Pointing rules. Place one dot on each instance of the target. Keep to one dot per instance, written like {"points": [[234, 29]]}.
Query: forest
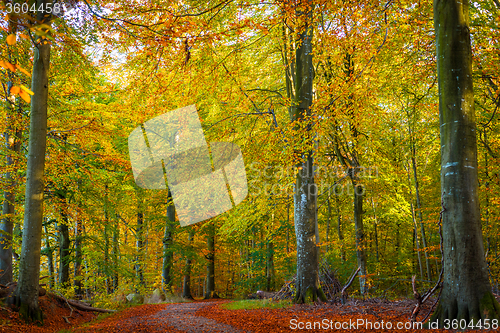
{"points": [[365, 149]]}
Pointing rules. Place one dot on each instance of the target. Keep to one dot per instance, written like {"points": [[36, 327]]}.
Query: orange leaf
{"points": [[23, 70], [15, 90], [10, 66], [24, 95], [11, 39]]}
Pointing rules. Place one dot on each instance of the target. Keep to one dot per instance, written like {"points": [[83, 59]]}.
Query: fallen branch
{"points": [[80, 305], [344, 290]]}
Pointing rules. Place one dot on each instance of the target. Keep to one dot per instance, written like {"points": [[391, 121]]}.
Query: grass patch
{"points": [[249, 304]]}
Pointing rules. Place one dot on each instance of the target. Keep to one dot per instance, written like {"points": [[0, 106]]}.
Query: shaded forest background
{"points": [[114, 66]]}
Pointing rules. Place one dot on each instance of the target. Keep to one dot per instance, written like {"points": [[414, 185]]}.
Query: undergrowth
{"points": [[250, 304]]}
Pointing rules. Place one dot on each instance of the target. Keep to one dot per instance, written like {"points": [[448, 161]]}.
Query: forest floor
{"points": [[210, 316]]}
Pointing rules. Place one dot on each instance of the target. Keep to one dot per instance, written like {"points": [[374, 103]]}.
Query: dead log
{"points": [[80, 305]]}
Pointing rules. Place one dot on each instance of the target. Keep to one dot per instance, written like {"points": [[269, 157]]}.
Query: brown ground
{"points": [[209, 316]]}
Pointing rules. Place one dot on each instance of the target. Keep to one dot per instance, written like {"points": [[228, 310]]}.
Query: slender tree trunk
{"points": [[115, 253], [50, 258], [78, 257], [466, 292], [168, 254], [186, 289], [26, 297], [139, 232], [419, 207], [270, 276], [13, 136], [375, 224], [360, 234], [210, 291], [328, 218], [339, 231], [64, 257]]}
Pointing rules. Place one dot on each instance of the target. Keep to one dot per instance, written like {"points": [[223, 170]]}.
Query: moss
{"points": [[31, 314], [311, 295], [489, 307]]}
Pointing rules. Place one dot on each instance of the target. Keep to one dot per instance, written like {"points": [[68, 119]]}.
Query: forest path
{"points": [[176, 318]]}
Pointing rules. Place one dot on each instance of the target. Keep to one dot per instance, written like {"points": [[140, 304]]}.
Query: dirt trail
{"points": [[175, 318], [183, 317]]}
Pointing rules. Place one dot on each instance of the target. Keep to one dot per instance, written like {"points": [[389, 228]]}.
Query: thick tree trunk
{"points": [[308, 288], [168, 254], [29, 268], [466, 292]]}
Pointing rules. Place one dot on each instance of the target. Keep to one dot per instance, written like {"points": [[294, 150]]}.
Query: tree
{"points": [[26, 297], [466, 292], [305, 197]]}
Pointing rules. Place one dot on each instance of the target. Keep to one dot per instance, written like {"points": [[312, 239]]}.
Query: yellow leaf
{"points": [[27, 90], [23, 70], [24, 95], [11, 39], [15, 90], [2, 64]]}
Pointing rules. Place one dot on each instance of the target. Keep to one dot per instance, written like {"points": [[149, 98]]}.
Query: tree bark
{"points": [[29, 268], [466, 292]]}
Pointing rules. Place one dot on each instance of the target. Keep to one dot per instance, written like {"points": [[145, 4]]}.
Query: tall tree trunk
{"points": [[466, 292], [139, 232], [210, 291], [64, 257], [114, 253], [270, 274], [50, 258], [106, 267], [26, 297], [339, 231], [360, 232], [375, 224], [78, 257], [64, 241], [12, 137], [308, 288], [186, 288], [419, 207], [168, 254]]}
